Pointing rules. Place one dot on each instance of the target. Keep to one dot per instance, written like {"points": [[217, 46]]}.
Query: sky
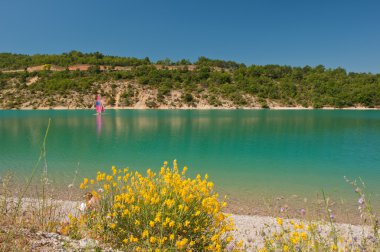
{"points": [[334, 33]]}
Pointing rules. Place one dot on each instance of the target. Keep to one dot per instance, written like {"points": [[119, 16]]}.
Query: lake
{"points": [[247, 153]]}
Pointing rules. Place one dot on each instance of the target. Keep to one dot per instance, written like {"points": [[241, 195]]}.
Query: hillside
{"points": [[72, 80]]}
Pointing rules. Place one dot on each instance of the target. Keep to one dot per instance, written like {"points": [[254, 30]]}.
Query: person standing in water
{"points": [[99, 105]]}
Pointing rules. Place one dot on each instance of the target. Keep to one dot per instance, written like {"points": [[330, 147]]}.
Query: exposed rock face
{"points": [[115, 94]]}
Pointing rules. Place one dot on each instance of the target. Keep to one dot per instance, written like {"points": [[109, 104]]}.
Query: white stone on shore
{"points": [[250, 229]]}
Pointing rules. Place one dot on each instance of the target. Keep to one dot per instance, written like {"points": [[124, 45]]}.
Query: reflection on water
{"points": [[245, 152], [99, 124]]}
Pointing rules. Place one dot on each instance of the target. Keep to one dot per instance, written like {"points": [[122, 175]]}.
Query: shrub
{"points": [[151, 103], [112, 101], [295, 235], [157, 211], [188, 98]]}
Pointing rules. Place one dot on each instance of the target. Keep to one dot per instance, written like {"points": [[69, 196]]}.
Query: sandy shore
{"points": [[249, 228]]}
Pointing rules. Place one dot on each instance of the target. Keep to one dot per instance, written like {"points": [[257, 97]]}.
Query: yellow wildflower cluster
{"points": [[298, 236], [163, 210]]}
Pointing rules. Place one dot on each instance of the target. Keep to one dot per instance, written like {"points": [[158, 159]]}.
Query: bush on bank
{"points": [[165, 211]]}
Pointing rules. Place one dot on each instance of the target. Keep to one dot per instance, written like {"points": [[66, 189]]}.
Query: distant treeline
{"points": [[289, 86], [20, 61], [11, 61]]}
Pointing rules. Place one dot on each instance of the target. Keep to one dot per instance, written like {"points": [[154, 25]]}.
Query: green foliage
{"points": [[307, 86], [165, 62], [129, 96], [203, 61], [112, 101], [64, 81], [188, 98], [150, 103], [183, 62], [17, 61], [94, 69]]}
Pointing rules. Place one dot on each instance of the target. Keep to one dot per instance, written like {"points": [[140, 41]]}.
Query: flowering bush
{"points": [[295, 235], [158, 211]]}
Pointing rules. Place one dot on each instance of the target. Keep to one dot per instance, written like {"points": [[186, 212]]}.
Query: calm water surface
{"points": [[246, 153]]}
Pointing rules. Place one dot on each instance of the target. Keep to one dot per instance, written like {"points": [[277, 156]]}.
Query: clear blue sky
{"points": [[334, 33]]}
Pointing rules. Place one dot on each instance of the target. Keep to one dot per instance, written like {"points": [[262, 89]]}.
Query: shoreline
{"points": [[344, 209], [250, 229], [192, 108]]}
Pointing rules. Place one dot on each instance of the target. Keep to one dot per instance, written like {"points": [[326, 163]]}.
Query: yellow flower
{"points": [[133, 239], [239, 244], [158, 217], [152, 239], [210, 185], [304, 235], [301, 225], [145, 233], [285, 248], [169, 196], [294, 240], [184, 170], [279, 221], [182, 243]]}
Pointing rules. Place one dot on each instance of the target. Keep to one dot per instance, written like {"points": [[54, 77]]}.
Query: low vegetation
{"points": [[164, 211], [298, 235]]}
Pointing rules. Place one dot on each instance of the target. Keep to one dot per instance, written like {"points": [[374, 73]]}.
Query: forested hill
{"points": [[73, 79]]}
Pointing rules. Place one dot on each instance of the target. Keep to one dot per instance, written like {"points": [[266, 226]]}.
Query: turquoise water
{"points": [[245, 152]]}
